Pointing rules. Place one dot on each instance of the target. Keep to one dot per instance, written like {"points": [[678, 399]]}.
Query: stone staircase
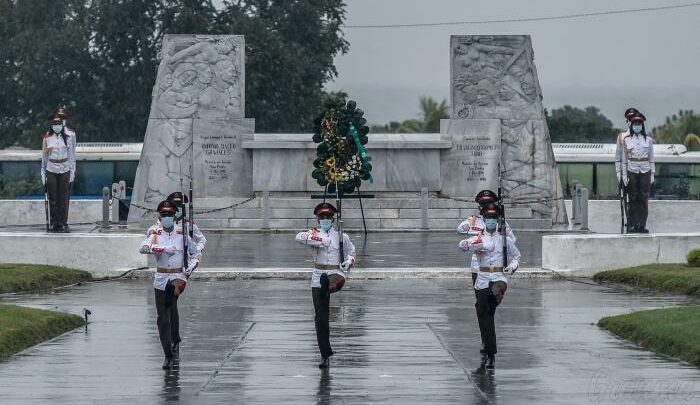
{"points": [[385, 212]]}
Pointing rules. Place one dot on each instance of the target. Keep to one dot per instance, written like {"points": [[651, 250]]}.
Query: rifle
{"points": [[338, 202], [185, 251], [623, 207], [191, 212], [502, 219], [47, 209]]}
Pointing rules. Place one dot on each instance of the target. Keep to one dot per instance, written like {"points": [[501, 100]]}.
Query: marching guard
{"points": [[58, 170], [167, 243], [492, 280], [330, 271], [474, 225]]}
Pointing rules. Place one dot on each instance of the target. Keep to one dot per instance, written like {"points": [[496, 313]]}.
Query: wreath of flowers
{"points": [[341, 131]]}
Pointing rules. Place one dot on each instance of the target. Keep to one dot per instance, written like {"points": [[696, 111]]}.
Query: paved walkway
{"points": [[398, 342], [376, 250]]}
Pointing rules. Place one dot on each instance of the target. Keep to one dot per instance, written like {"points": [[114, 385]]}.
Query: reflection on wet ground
{"points": [[382, 249], [402, 341]]}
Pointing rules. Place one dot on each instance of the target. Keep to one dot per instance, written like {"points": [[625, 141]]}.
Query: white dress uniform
{"points": [[197, 235], [638, 156], [491, 247], [325, 247], [156, 242], [475, 225], [61, 155]]}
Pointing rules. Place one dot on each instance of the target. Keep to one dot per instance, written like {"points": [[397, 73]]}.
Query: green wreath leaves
{"points": [[341, 132]]}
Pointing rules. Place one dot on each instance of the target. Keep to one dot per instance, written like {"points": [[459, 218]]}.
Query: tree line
{"points": [[567, 124], [100, 57]]}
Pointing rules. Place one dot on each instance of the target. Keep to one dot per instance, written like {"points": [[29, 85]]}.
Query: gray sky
{"points": [[648, 59]]}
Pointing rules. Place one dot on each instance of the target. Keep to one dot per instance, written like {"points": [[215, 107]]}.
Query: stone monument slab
{"points": [[472, 163], [494, 77], [223, 168], [198, 102]]}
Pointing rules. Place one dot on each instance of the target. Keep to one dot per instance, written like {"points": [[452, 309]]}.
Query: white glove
{"points": [[625, 179], [651, 180], [145, 249], [188, 271], [511, 268], [72, 176], [348, 263], [43, 177]]}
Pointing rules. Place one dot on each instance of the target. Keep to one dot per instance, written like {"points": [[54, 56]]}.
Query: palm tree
{"points": [[681, 128], [433, 113]]}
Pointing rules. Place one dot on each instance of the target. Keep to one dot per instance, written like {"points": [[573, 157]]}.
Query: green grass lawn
{"points": [[678, 278], [22, 327], [34, 277], [673, 331]]}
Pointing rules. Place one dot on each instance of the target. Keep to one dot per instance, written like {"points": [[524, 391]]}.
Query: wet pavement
{"points": [[398, 342], [376, 250]]}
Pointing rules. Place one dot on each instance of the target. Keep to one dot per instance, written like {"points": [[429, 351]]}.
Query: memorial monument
{"points": [[498, 122], [196, 124]]}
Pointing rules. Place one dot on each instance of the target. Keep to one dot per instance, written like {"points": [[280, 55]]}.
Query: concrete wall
{"points": [[585, 255], [665, 216], [400, 162], [30, 212], [100, 254]]}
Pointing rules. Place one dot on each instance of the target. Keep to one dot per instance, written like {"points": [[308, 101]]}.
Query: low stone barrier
{"points": [[31, 212], [665, 216], [100, 254], [585, 255]]}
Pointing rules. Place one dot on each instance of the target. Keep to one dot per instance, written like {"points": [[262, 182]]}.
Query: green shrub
{"points": [[694, 257]]}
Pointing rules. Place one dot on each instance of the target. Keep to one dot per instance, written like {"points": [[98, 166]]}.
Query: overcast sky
{"points": [[649, 59]]}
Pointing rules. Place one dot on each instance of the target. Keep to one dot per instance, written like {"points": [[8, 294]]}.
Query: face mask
{"points": [[57, 128], [168, 222], [326, 224], [637, 129], [491, 223]]}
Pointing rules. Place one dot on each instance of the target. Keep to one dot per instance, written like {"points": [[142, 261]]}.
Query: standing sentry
{"points": [[58, 169], [638, 170]]}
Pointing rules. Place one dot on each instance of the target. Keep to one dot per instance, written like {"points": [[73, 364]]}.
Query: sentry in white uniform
{"points": [[325, 247], [168, 250], [474, 226], [488, 251]]}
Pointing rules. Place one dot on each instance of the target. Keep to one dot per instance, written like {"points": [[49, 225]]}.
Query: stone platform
{"points": [[100, 254], [585, 255]]}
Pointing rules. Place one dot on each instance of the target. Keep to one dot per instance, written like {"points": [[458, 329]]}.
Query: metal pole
{"points": [[584, 209], [105, 207], [424, 208], [362, 210], [266, 209], [115, 203]]}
